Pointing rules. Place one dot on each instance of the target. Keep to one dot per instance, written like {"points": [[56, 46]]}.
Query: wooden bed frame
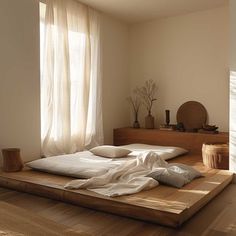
{"points": [[163, 205]]}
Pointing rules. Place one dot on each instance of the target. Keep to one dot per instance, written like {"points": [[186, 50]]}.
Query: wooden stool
{"points": [[216, 155], [11, 160]]}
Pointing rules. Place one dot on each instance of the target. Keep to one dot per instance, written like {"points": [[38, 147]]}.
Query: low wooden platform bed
{"points": [[163, 205]]}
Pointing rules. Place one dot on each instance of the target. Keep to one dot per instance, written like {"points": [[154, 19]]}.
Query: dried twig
{"points": [[147, 94], [135, 102]]}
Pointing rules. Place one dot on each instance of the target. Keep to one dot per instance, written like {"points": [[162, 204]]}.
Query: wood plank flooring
{"points": [[216, 218], [16, 221]]}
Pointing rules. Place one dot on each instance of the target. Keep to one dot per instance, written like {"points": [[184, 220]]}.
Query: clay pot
{"points": [[149, 122]]}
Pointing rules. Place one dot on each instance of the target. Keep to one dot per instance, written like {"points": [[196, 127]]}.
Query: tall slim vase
{"points": [[136, 124]]}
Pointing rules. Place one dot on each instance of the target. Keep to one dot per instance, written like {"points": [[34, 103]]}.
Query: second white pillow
{"points": [[110, 151]]}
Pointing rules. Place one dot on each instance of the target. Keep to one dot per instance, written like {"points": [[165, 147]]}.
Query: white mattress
{"points": [[86, 165]]}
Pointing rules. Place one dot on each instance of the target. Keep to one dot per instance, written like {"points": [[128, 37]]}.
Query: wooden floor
{"points": [[217, 218], [16, 221]]}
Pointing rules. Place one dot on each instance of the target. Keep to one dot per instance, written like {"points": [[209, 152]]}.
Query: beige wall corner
{"points": [[19, 77], [114, 38], [188, 56], [232, 35]]}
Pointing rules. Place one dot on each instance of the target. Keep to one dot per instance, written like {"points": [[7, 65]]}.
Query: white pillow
{"points": [[165, 152], [110, 151]]}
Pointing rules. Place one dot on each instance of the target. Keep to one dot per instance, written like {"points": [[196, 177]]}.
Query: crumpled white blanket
{"points": [[128, 178]]}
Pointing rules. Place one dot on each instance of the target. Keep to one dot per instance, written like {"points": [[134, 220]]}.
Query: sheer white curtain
{"points": [[71, 117]]}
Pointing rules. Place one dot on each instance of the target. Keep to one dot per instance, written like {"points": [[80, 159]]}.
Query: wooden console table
{"points": [[191, 141]]}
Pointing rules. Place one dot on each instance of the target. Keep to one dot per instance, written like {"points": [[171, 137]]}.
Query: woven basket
{"points": [[216, 155]]}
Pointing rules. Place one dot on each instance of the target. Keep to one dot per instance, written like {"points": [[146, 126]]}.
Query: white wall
{"points": [[114, 36], [188, 56], [19, 77]]}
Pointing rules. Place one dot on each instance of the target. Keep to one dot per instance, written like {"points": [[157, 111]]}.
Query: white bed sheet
{"points": [[86, 165]]}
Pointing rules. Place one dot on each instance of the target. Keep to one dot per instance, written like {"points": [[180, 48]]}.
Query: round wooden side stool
{"points": [[12, 160], [216, 155]]}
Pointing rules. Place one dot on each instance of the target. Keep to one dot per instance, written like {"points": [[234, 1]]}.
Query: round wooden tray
{"points": [[192, 114]]}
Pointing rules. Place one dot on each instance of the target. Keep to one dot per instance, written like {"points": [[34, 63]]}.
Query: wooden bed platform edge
{"points": [[116, 206], [188, 213], [101, 203]]}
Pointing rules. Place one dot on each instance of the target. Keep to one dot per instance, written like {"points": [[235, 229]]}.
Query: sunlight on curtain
{"points": [[71, 117], [232, 164]]}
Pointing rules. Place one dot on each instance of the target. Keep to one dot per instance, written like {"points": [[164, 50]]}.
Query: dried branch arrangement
{"points": [[148, 94], [145, 95], [135, 102]]}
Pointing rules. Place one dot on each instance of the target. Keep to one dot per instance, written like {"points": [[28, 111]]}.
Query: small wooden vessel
{"points": [[216, 155], [12, 160]]}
